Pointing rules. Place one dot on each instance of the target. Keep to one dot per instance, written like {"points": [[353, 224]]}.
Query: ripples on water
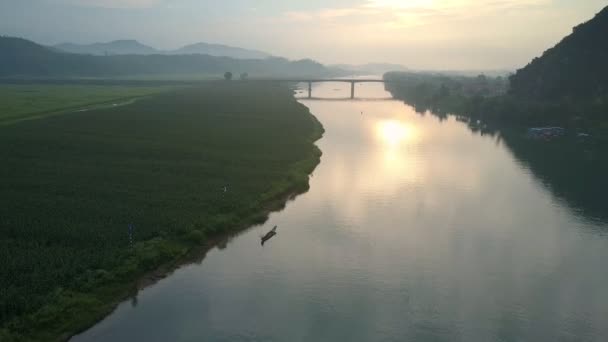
{"points": [[414, 229]]}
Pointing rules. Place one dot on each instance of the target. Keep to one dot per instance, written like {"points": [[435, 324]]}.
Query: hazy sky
{"points": [[423, 34]]}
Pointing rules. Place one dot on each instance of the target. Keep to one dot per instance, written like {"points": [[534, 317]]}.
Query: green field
{"points": [[72, 184], [18, 102]]}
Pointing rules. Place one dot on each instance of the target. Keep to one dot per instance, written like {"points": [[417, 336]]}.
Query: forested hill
{"points": [[575, 69], [117, 47], [133, 47], [220, 50], [23, 58]]}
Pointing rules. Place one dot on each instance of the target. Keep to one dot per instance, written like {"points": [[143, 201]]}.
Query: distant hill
{"points": [[370, 68], [575, 69], [23, 58], [117, 47], [133, 47], [220, 51]]}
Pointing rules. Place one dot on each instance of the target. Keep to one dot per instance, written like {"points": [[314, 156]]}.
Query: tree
{"points": [[228, 76], [244, 76], [444, 92]]}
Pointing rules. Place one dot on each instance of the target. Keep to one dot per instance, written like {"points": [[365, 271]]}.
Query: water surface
{"points": [[414, 229]]}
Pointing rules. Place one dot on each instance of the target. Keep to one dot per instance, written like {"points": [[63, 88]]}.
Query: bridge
{"points": [[352, 82]]}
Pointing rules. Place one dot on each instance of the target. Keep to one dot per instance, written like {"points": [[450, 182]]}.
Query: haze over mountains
{"points": [[130, 58], [371, 68], [117, 47], [133, 47], [220, 50], [23, 58], [573, 70]]}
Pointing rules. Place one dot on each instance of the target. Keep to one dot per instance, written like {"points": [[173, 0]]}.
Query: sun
{"points": [[401, 4]]}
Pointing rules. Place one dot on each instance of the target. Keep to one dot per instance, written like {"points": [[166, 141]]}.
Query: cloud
{"points": [[125, 4], [453, 4], [395, 12], [431, 33]]}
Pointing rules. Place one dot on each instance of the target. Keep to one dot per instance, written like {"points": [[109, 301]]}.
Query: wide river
{"points": [[414, 229]]}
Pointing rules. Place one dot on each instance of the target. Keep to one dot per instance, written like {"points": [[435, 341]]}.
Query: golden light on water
{"points": [[397, 157], [394, 133]]}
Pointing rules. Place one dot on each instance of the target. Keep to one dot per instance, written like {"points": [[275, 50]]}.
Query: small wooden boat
{"points": [[269, 235]]}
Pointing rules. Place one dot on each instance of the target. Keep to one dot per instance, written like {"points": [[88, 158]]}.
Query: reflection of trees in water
{"points": [[574, 171], [134, 300], [474, 124]]}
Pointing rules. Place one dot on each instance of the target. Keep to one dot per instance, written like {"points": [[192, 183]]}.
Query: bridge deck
{"points": [[318, 80], [310, 81]]}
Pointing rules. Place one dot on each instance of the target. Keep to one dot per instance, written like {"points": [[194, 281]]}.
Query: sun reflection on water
{"points": [[394, 133], [397, 142]]}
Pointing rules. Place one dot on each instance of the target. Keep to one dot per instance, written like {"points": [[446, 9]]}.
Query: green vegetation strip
{"points": [[24, 102], [73, 184]]}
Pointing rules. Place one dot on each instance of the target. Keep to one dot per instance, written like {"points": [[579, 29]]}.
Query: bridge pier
{"points": [[352, 89], [309, 90]]}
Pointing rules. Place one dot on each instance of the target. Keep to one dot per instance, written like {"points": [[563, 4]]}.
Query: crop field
{"points": [[25, 101], [166, 172]]}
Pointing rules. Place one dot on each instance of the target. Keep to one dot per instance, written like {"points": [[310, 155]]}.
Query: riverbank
{"points": [[174, 178], [487, 100]]}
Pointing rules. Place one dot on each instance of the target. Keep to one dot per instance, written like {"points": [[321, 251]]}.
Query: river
{"points": [[415, 228]]}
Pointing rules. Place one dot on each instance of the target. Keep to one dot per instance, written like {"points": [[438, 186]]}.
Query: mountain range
{"points": [[133, 47], [23, 58], [576, 69]]}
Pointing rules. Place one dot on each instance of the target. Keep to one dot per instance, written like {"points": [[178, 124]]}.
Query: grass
{"points": [[72, 184], [19, 102]]}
